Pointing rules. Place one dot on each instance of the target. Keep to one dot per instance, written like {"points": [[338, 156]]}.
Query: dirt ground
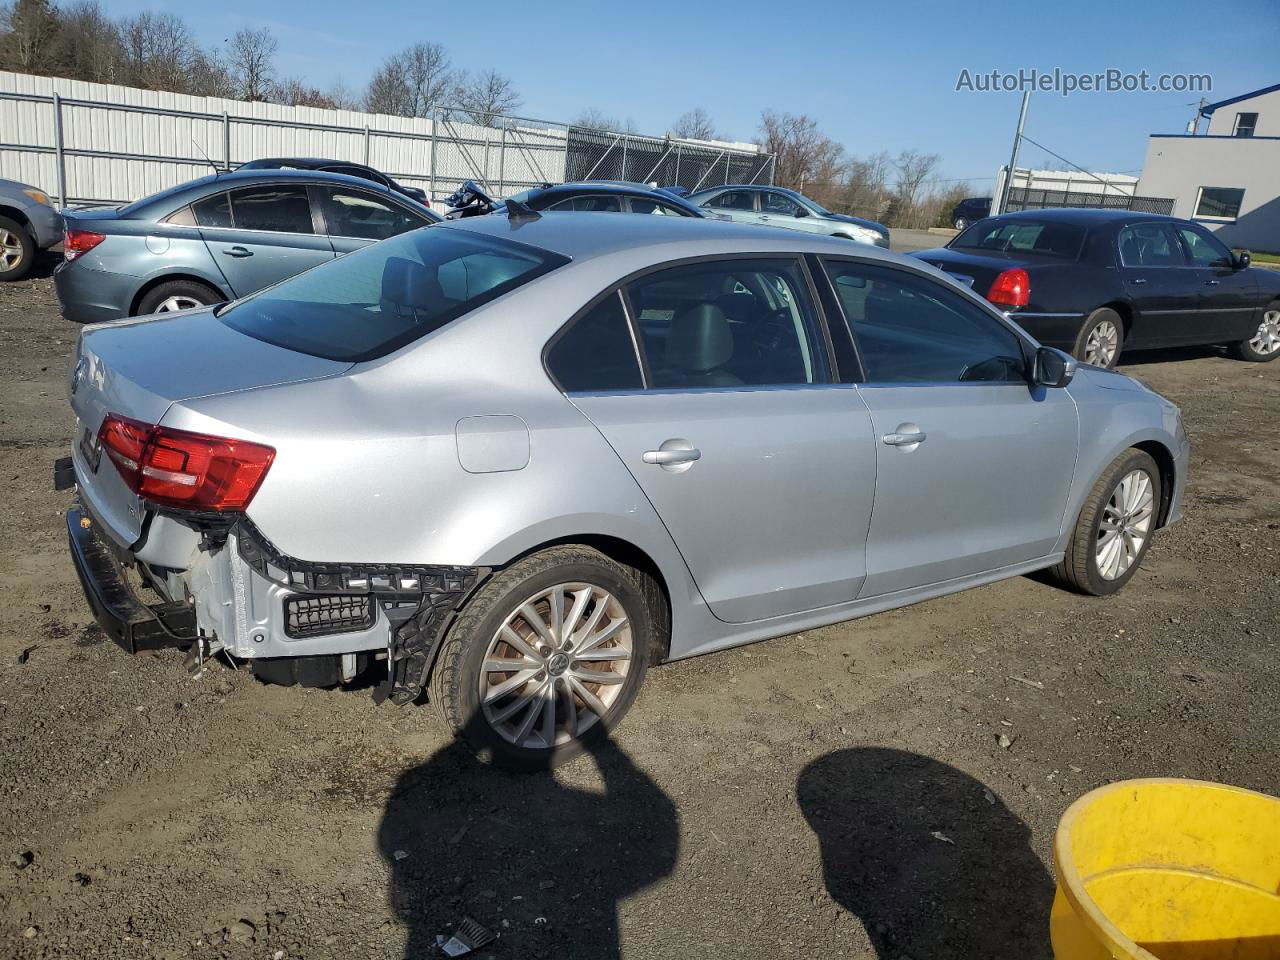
{"points": [[838, 793]]}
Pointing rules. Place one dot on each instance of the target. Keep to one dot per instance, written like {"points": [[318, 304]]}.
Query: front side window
{"points": [[779, 205], [1219, 203], [1150, 245], [729, 323], [355, 213], [1024, 236], [596, 352], [279, 209], [371, 302], [733, 200], [1246, 123], [1204, 250], [911, 329]]}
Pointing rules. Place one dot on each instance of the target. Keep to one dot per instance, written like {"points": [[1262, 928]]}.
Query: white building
{"points": [[1227, 177]]}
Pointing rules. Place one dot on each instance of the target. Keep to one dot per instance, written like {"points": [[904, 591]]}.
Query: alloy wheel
{"points": [[1267, 340], [10, 250], [1102, 345], [1125, 525], [170, 304], [556, 665]]}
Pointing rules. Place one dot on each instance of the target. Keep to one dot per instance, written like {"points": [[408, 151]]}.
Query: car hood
{"points": [[869, 224]]}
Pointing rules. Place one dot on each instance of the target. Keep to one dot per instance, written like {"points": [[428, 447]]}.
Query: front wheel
{"points": [[1101, 339], [1115, 525], [17, 250], [546, 658], [1264, 345]]}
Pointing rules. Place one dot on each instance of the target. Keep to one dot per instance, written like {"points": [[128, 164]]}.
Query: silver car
{"points": [[511, 462], [29, 223], [778, 207]]}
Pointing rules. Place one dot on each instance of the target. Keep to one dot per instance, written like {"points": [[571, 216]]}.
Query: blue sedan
{"points": [[220, 238]]}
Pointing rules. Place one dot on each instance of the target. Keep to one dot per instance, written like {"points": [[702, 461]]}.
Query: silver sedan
{"points": [[509, 463]]}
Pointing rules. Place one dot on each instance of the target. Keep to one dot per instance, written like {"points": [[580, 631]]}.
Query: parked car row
{"points": [[510, 461]]}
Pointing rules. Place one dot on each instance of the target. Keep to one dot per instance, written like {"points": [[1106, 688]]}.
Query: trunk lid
{"points": [[140, 368], [978, 268]]}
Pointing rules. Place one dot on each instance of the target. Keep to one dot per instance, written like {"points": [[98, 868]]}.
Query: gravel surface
{"points": [[884, 788]]}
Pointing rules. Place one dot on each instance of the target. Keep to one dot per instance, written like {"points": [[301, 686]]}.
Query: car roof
{"points": [[1084, 216], [309, 162], [584, 236]]}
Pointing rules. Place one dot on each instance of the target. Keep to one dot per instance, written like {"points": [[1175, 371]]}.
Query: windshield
{"points": [[1023, 236], [378, 299]]}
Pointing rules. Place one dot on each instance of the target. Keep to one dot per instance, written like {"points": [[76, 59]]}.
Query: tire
{"points": [[177, 295], [1080, 569], [960, 223], [496, 730], [1264, 346], [17, 250], [1104, 324]]}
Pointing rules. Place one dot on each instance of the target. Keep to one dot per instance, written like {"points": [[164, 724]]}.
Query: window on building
{"points": [[1219, 203], [1246, 123]]}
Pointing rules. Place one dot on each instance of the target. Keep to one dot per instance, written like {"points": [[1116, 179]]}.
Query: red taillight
{"points": [[76, 242], [181, 469], [1012, 288]]}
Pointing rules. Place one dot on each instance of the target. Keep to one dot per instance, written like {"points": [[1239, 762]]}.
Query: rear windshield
{"points": [[374, 301], [1024, 236]]}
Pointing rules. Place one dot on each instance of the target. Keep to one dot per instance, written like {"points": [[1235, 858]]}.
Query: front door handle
{"points": [[1211, 283], [672, 456], [1137, 280], [906, 438], [238, 251]]}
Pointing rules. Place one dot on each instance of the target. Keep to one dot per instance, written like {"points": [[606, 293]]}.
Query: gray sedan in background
{"points": [[512, 462], [777, 207], [29, 223], [219, 238]]}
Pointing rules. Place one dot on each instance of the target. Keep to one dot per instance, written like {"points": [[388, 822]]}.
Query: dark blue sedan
{"points": [[220, 238]]}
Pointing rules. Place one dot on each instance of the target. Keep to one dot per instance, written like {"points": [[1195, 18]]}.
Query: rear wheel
{"points": [[1101, 339], [960, 223], [545, 658], [1114, 528], [17, 250], [176, 295], [1264, 345]]}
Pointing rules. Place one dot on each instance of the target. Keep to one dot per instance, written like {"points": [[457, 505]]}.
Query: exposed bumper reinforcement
{"points": [[128, 621]]}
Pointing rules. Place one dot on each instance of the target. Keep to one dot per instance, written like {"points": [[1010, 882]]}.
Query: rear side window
{"points": [[1024, 236], [371, 302], [279, 209], [911, 329], [733, 200], [213, 211], [1150, 245], [596, 352]]}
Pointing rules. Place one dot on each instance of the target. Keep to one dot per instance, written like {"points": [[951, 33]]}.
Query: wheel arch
{"points": [[1125, 311], [153, 282], [13, 213], [1164, 459]]}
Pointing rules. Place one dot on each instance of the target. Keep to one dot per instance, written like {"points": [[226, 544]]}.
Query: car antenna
{"points": [[204, 154], [518, 212]]}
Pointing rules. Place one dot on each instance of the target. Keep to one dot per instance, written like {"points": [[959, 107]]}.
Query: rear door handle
{"points": [[1138, 280], [1211, 283], [905, 439], [666, 458], [237, 251]]}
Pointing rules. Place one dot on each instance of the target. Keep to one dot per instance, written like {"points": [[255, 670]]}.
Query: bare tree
{"points": [[343, 97], [695, 125], [866, 188], [28, 32], [158, 51], [430, 80], [294, 92], [89, 45], [802, 153], [251, 56], [912, 168], [210, 77], [487, 95]]}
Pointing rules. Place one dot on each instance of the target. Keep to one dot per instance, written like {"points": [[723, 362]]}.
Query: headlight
{"points": [[38, 196], [863, 235]]}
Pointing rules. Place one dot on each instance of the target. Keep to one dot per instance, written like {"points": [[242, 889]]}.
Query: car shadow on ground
{"points": [[1137, 358], [930, 860], [539, 863]]}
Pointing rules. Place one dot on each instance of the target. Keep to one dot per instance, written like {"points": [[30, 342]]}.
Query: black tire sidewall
{"points": [[176, 288], [1134, 460], [960, 223], [28, 250], [1091, 321], [468, 718]]}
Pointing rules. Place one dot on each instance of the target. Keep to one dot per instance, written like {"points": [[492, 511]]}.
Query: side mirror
{"points": [[801, 212], [1053, 368], [1241, 259]]}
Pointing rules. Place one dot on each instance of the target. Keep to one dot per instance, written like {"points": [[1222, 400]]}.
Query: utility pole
{"points": [[1195, 121], [1013, 158]]}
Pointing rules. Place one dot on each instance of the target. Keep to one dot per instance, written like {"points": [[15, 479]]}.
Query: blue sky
{"points": [[877, 76]]}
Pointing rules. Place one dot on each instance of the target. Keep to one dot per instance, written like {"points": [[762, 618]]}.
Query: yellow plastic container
{"points": [[1168, 869]]}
